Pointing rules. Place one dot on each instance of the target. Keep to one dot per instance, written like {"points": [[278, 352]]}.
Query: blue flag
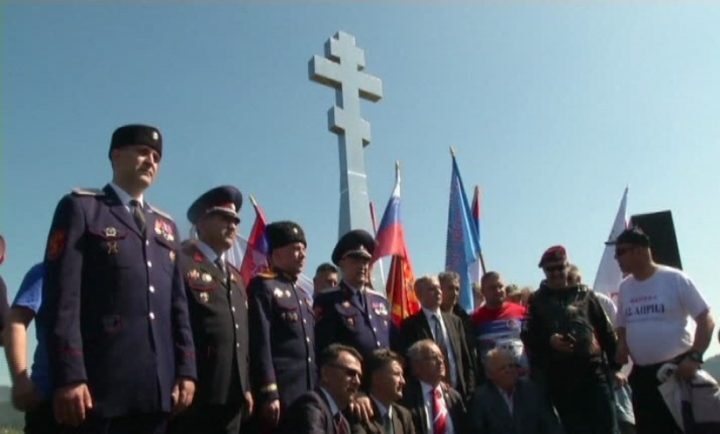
{"points": [[463, 239]]}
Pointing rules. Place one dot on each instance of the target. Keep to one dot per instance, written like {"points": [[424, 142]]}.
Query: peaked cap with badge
{"points": [[112, 288], [225, 199], [136, 134], [356, 243]]}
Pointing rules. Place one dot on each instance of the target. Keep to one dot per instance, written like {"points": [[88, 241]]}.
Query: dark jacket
{"points": [[532, 412], [219, 318], [115, 304], [282, 339], [309, 414], [413, 400], [416, 327], [402, 421], [573, 311]]}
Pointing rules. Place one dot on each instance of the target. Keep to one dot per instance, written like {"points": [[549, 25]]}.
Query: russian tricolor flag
{"points": [[391, 242], [255, 259]]}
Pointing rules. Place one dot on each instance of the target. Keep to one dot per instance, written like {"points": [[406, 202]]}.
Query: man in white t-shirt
{"points": [[654, 306]]}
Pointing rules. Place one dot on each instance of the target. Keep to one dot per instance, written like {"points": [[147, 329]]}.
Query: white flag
{"points": [[609, 276]]}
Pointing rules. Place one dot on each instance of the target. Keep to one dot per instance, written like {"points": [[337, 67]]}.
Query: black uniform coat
{"points": [[116, 305], [219, 318], [282, 339], [401, 418], [413, 401], [415, 328], [342, 320]]}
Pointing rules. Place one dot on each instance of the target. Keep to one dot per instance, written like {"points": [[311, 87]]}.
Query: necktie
{"points": [[442, 344], [359, 299], [138, 215], [221, 267], [341, 424], [439, 412], [387, 423]]}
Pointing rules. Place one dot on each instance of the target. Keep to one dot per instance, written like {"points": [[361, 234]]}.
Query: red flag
{"points": [[391, 241], [255, 258]]}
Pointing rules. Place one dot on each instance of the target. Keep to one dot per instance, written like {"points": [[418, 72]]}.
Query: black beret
{"points": [[280, 234], [634, 236], [225, 199], [136, 134], [354, 243]]}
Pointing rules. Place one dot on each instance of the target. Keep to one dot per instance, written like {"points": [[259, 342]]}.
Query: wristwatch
{"points": [[695, 356]]}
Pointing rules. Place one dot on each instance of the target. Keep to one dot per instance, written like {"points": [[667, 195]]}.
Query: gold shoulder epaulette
{"points": [[159, 212], [88, 192], [268, 274]]}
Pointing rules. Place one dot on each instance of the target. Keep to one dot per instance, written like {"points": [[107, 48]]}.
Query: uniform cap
{"points": [[358, 243], [280, 234], [225, 199], [136, 134]]}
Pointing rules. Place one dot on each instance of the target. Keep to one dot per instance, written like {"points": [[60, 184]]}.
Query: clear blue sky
{"points": [[553, 108]]}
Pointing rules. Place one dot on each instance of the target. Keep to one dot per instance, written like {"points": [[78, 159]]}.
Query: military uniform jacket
{"points": [[341, 319], [115, 303], [218, 314], [282, 339]]}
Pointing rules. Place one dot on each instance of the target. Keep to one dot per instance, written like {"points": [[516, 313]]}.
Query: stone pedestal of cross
{"points": [[342, 68]]}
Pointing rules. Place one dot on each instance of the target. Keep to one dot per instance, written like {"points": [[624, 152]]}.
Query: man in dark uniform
{"points": [[120, 344], [282, 340], [353, 314], [218, 314]]}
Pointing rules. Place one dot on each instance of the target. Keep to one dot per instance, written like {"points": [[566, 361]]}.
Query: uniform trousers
{"points": [[153, 423], [40, 419], [651, 414]]}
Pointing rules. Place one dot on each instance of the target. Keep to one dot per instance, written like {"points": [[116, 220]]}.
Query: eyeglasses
{"points": [[350, 372], [554, 268]]}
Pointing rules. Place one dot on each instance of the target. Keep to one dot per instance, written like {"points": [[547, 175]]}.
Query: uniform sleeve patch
{"points": [[56, 244]]}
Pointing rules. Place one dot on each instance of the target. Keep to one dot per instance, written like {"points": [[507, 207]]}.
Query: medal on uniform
{"points": [[351, 321], [172, 256], [204, 297], [287, 293], [277, 292], [346, 304], [110, 232], [206, 278], [193, 274], [112, 247]]}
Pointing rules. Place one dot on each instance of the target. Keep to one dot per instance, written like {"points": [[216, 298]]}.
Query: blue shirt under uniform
{"points": [[29, 296]]}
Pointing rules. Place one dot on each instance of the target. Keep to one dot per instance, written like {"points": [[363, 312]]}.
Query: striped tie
{"points": [[440, 414]]}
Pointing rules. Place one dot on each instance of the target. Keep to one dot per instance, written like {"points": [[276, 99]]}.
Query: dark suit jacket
{"points": [[402, 422], [309, 414], [115, 303], [416, 327], [532, 412], [413, 401]]}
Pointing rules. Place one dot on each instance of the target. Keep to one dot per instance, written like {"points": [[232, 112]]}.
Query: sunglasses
{"points": [[350, 372], [621, 251], [554, 268]]}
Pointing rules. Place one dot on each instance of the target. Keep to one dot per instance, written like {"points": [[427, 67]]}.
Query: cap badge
{"points": [[155, 135]]}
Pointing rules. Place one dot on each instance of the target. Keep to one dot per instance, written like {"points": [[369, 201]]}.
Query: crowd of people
{"points": [[141, 332]]}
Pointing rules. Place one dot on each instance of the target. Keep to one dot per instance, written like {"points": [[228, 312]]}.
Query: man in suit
{"points": [[353, 314], [218, 315], [120, 344], [326, 277], [446, 330], [320, 411], [282, 340], [384, 383], [436, 408], [507, 405]]}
